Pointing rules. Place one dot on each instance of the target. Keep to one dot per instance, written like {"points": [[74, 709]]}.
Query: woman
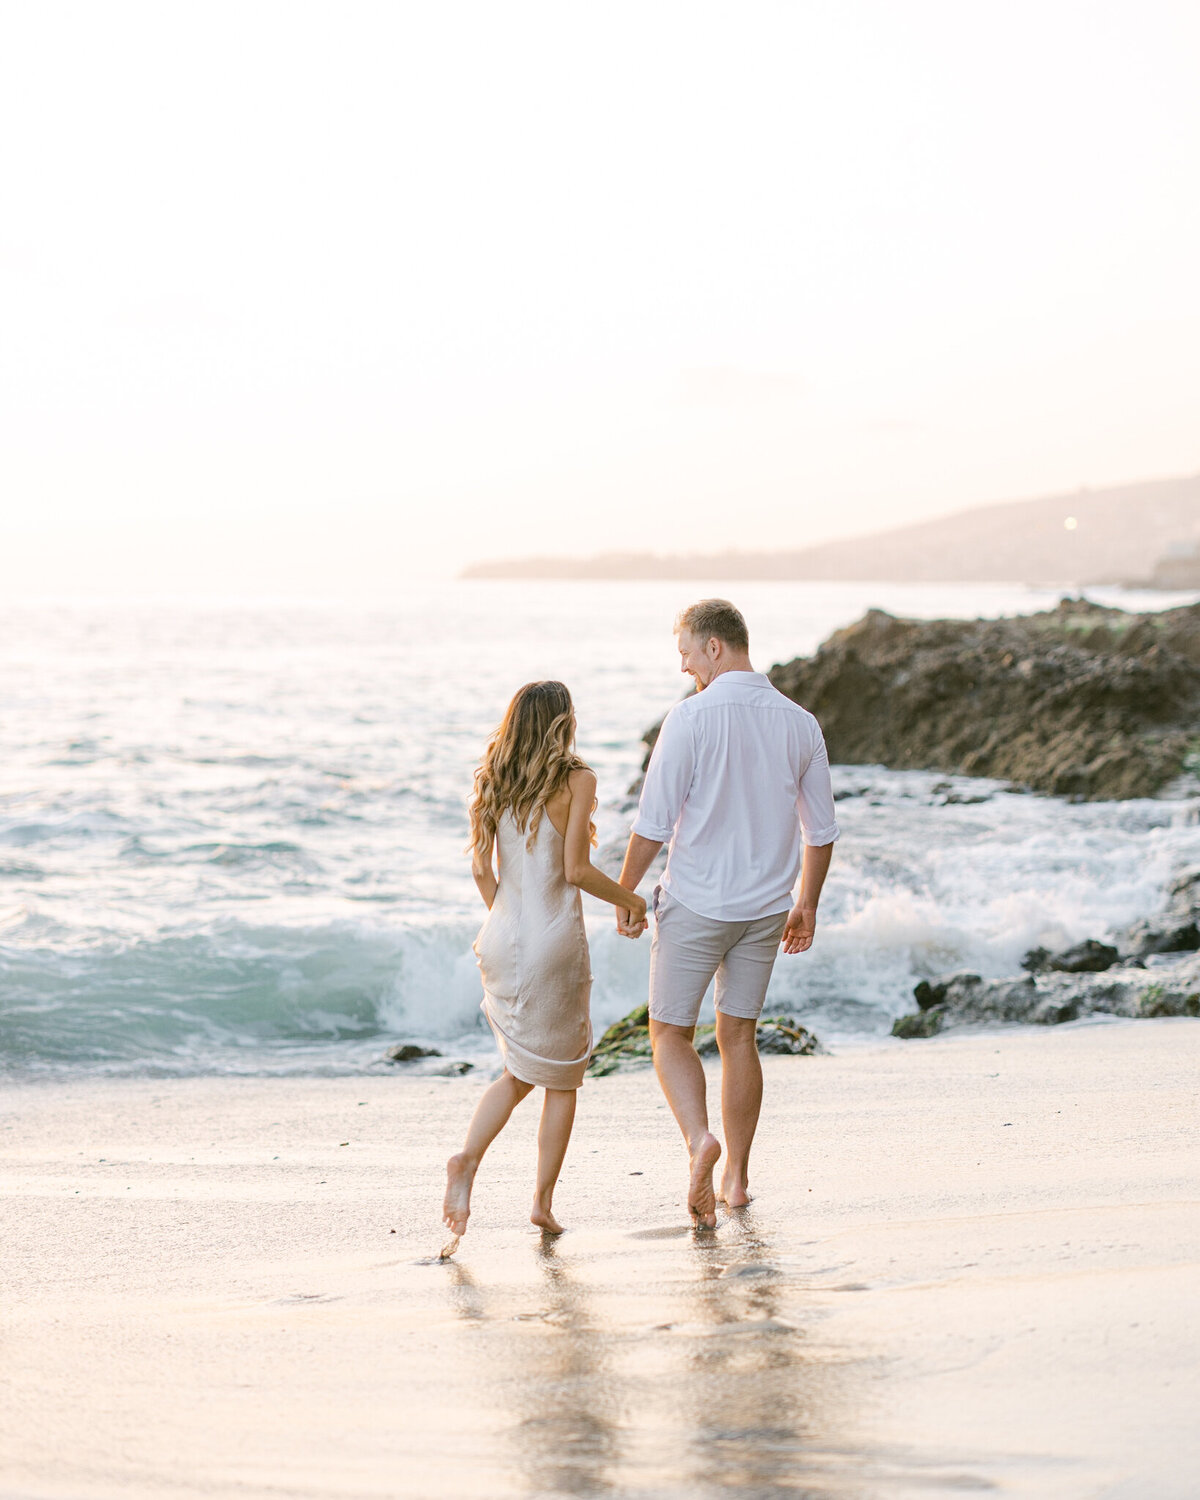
{"points": [[531, 809]]}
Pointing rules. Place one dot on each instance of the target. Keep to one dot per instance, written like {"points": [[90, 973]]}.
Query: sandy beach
{"points": [[973, 1266]]}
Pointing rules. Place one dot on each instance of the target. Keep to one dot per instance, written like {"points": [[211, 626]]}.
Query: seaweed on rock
{"points": [[628, 1041]]}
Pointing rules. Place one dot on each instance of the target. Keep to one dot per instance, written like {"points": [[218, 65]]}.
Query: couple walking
{"points": [[738, 787]]}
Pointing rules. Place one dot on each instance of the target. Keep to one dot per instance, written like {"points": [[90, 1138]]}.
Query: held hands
{"points": [[801, 926], [631, 919]]}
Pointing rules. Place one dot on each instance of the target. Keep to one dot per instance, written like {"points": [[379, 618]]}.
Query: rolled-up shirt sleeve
{"points": [[814, 801], [668, 779]]}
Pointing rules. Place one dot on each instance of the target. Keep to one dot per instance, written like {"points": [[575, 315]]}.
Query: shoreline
{"points": [[977, 1267]]}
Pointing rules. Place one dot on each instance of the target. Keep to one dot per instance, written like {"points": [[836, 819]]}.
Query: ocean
{"points": [[231, 835]]}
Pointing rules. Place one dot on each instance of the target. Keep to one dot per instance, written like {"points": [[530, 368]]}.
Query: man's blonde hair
{"points": [[715, 617]]}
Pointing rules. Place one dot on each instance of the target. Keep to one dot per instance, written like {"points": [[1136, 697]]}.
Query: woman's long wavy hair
{"points": [[528, 759]]}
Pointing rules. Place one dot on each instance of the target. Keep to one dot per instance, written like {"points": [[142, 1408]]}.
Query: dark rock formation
{"points": [[775, 1034], [924, 1023], [1089, 978], [1079, 701], [404, 1052], [1171, 989], [1088, 957], [1177, 930], [781, 1035], [1182, 939], [624, 1041], [628, 1040]]}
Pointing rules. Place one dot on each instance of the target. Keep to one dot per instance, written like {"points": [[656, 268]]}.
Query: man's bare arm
{"points": [[639, 856], [802, 919]]}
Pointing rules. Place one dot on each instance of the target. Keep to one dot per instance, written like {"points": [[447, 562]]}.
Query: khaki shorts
{"points": [[688, 950]]}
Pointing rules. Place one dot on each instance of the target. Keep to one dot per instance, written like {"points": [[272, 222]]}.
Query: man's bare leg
{"points": [[681, 1074], [554, 1131], [741, 1100], [490, 1117]]}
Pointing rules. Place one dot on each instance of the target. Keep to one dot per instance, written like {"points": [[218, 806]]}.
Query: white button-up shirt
{"points": [[738, 777]]}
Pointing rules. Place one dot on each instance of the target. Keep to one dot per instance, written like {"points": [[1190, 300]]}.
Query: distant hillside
{"points": [[1118, 536]]}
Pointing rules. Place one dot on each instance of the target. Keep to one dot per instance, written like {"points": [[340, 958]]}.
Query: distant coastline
{"points": [[1117, 535]]}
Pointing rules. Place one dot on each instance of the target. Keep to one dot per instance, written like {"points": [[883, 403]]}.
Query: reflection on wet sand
{"points": [[749, 1388], [466, 1298], [567, 1435], [593, 1396]]}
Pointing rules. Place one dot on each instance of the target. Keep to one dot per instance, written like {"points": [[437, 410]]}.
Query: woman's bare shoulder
{"points": [[580, 790]]}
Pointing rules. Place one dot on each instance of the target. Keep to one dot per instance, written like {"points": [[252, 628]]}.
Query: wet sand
{"points": [[973, 1266]]}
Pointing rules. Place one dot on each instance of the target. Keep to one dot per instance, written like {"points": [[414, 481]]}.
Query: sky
{"points": [[308, 299]]}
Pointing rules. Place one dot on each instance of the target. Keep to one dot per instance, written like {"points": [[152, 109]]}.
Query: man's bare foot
{"points": [[702, 1202], [734, 1194], [544, 1219], [456, 1209]]}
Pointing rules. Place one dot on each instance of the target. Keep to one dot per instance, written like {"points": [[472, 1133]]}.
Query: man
{"points": [[738, 784]]}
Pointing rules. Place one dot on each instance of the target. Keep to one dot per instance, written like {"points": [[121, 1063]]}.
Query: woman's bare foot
{"points": [[702, 1202], [544, 1219], [734, 1194], [456, 1209]]}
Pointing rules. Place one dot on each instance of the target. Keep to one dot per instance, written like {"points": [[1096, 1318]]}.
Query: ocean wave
{"points": [[247, 998], [94, 823], [273, 851], [256, 997], [234, 986], [267, 873]]}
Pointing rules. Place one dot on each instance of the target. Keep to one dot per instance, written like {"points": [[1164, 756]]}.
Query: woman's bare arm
{"points": [[577, 854], [485, 875]]}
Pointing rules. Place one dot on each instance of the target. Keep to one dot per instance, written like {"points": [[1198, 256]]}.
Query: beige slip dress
{"points": [[533, 956]]}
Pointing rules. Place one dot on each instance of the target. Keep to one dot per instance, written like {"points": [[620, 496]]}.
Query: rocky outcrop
{"points": [[780, 1036], [1171, 989], [1088, 957], [403, 1052], [628, 1041], [1154, 970], [1177, 930], [1080, 701]]}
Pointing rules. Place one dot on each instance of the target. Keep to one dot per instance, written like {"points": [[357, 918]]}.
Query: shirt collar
{"points": [[740, 679]]}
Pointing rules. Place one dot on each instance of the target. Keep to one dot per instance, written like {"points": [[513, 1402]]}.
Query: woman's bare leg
{"points": [[558, 1115], [490, 1117]]}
